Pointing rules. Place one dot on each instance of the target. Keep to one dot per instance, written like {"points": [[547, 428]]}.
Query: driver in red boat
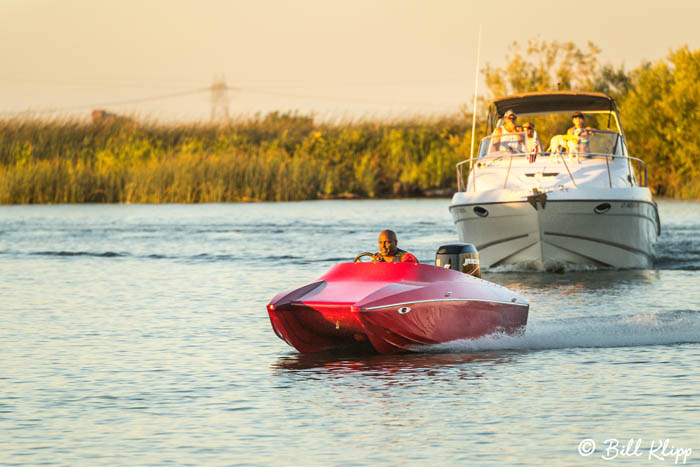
{"points": [[389, 252]]}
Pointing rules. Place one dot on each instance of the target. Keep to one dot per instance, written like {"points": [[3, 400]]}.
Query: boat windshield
{"points": [[514, 143], [605, 142], [586, 141]]}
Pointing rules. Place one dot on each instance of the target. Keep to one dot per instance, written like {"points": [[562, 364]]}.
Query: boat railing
{"points": [[471, 166]]}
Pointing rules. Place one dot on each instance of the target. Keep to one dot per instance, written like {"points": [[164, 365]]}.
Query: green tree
{"points": [[544, 66], [662, 119], [615, 82]]}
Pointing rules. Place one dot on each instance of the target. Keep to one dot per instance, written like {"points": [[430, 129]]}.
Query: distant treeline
{"points": [[281, 157]]}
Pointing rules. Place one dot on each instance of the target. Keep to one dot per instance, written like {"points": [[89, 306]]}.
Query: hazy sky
{"points": [[342, 58]]}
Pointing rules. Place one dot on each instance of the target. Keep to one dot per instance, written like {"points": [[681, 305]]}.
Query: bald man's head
{"points": [[388, 243]]}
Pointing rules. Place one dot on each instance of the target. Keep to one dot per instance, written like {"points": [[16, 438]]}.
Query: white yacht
{"points": [[584, 201]]}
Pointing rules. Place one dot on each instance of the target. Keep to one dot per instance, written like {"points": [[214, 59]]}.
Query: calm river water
{"points": [[137, 334]]}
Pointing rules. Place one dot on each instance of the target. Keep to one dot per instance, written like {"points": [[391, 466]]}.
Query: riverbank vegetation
{"points": [[281, 157]]}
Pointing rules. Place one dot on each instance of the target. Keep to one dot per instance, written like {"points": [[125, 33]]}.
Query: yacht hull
{"points": [[553, 231]]}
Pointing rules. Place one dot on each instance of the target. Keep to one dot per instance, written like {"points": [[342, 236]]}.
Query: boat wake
{"points": [[200, 257], [105, 254], [643, 329]]}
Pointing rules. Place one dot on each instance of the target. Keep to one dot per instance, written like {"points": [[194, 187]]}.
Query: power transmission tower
{"points": [[219, 100]]}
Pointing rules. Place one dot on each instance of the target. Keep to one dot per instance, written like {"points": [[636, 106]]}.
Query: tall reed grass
{"points": [[278, 157]]}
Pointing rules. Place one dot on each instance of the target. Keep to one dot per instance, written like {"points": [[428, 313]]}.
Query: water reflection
{"points": [[433, 365], [574, 281]]}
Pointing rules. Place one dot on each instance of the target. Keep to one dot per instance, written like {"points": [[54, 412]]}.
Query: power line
{"points": [[116, 103], [80, 83], [154, 98], [218, 90], [341, 99]]}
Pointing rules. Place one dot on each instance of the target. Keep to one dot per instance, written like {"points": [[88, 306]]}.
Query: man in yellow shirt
{"points": [[581, 136]]}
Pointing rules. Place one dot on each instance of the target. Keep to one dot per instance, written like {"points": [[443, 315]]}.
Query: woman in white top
{"points": [[508, 137]]}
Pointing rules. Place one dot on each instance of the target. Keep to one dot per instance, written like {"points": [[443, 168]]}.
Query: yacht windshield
{"points": [[584, 141], [513, 143], [604, 142]]}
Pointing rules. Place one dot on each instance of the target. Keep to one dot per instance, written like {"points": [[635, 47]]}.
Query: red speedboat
{"points": [[393, 307]]}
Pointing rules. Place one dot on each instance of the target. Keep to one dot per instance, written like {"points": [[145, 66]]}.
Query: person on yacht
{"points": [[533, 143], [508, 137], [389, 251], [579, 136]]}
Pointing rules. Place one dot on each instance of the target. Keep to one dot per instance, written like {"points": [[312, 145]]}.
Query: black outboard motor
{"points": [[461, 257]]}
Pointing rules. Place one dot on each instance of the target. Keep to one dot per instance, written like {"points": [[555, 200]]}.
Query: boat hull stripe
{"points": [[445, 300], [604, 242], [496, 242], [512, 254], [597, 262]]}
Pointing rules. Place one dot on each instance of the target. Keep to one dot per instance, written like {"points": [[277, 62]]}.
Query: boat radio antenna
{"points": [[476, 90]]}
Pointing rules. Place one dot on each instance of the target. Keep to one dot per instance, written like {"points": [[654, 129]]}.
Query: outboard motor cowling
{"points": [[461, 257]]}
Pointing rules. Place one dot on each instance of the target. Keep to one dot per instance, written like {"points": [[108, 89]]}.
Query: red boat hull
{"points": [[393, 307]]}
